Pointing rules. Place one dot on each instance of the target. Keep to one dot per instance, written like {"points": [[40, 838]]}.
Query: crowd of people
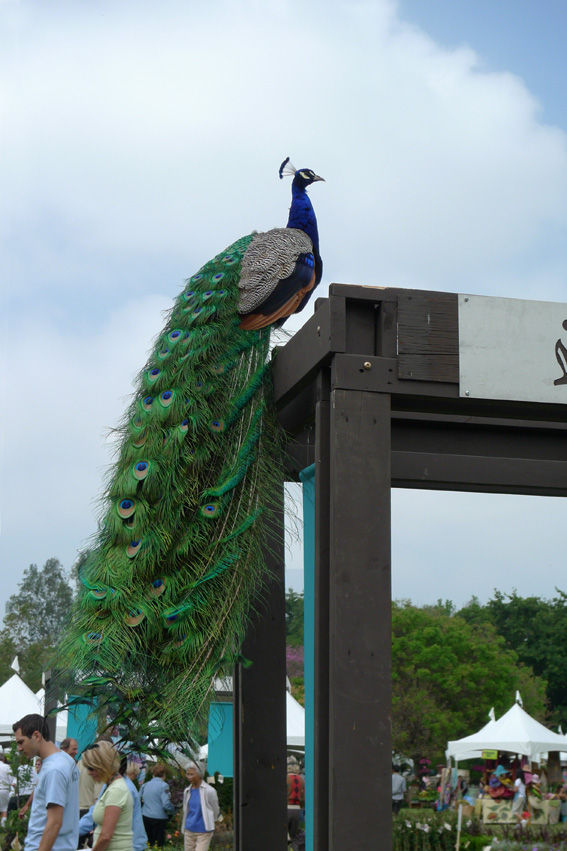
{"points": [[95, 802], [524, 788], [502, 779]]}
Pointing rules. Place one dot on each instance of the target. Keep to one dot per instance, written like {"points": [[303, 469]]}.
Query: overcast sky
{"points": [[140, 138]]}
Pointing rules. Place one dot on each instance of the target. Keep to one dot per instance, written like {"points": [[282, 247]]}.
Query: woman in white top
{"points": [[6, 781], [519, 802], [200, 811]]}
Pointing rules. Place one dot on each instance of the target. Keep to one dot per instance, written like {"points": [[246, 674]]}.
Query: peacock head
{"points": [[302, 177]]}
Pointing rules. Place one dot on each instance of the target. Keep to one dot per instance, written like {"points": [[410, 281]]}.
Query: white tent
{"points": [[16, 700], [295, 722], [516, 732], [61, 718], [467, 753]]}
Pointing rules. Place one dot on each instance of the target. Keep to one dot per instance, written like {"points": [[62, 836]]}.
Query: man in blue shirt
{"points": [[54, 817]]}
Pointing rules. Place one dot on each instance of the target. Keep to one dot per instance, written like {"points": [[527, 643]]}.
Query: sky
{"points": [[140, 138]]}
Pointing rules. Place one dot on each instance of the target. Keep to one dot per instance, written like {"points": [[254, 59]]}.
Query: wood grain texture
{"points": [[428, 337]]}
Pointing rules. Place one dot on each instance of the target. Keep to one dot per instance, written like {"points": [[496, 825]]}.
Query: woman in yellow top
{"points": [[112, 813]]}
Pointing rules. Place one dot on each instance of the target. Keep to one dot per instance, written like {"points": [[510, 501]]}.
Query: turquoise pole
{"points": [[307, 477]]}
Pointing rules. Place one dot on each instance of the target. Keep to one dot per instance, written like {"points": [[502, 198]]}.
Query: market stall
{"points": [[509, 747]]}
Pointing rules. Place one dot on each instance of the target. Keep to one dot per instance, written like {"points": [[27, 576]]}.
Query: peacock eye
{"points": [[141, 470], [98, 593], [158, 587], [126, 508], [134, 617], [133, 548]]}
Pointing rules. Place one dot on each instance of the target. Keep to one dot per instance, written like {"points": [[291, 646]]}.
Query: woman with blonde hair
{"points": [[113, 811], [133, 771]]}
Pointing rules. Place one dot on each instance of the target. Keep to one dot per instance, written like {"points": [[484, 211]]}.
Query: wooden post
{"points": [[360, 623], [260, 800], [50, 703]]}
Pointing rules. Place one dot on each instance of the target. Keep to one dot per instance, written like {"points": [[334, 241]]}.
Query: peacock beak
{"points": [[316, 178]]}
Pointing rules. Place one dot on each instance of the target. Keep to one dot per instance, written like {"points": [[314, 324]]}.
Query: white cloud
{"points": [[142, 138], [57, 429]]}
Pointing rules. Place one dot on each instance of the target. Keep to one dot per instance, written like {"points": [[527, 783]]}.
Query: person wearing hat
{"points": [[200, 811], [295, 797]]}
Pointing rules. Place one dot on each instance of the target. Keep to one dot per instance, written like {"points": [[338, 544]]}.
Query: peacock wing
{"points": [[278, 268]]}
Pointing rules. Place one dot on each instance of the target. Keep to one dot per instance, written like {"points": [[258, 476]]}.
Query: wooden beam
{"points": [[428, 337], [380, 375], [361, 292], [479, 474], [297, 363]]}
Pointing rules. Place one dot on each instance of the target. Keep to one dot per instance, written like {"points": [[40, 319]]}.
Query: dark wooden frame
{"points": [[369, 390]]}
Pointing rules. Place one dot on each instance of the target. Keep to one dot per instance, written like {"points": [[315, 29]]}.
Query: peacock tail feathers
{"points": [[167, 588], [178, 560]]}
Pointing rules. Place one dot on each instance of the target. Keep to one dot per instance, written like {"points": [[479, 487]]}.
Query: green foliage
{"points": [[14, 825], [447, 674], [8, 650], [294, 618], [34, 620], [424, 830], [475, 843], [225, 793], [536, 630], [38, 612]]}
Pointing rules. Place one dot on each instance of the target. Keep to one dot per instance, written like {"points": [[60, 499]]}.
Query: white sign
{"points": [[512, 349]]}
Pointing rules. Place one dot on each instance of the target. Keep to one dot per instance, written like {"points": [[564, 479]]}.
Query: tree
{"points": [[38, 612], [294, 618], [34, 620], [7, 652], [447, 674], [536, 630]]}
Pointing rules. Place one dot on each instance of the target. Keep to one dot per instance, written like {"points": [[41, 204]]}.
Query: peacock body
{"points": [[178, 560]]}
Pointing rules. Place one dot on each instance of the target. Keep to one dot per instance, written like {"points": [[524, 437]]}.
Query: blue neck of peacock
{"points": [[302, 216]]}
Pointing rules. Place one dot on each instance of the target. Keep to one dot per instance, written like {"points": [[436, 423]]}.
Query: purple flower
{"points": [[294, 657]]}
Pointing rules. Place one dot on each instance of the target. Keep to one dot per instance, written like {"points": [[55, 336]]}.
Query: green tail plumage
{"points": [[167, 589]]}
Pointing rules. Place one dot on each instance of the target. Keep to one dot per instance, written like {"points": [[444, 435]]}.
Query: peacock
{"points": [[169, 582]]}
